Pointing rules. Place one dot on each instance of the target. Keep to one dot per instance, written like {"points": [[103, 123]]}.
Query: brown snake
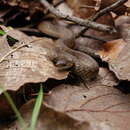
{"points": [[65, 57]]}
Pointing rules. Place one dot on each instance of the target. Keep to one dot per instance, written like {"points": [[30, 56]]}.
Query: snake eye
{"points": [[63, 64]]}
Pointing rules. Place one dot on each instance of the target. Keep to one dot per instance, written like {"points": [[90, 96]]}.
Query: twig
{"points": [[109, 8], [86, 23], [10, 52], [102, 12]]}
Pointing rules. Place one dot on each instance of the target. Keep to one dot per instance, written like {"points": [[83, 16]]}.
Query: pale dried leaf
{"points": [[102, 105], [117, 53], [4, 47], [28, 64], [65, 9], [50, 119], [127, 3]]}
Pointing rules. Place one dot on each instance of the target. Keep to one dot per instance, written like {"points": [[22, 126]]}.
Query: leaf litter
{"points": [[67, 105]]}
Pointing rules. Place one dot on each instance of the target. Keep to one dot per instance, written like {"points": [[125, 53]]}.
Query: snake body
{"points": [[65, 56]]}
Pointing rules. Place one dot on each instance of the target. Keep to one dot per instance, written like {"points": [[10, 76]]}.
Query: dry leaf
{"points": [[65, 9], [28, 64], [82, 8], [50, 119], [104, 106], [112, 49], [4, 47], [127, 3], [117, 53]]}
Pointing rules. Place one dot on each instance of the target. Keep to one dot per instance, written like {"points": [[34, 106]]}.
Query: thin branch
{"points": [[102, 12], [82, 22], [12, 51], [109, 8]]}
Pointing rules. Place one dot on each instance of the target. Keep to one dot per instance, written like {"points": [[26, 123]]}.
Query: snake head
{"points": [[63, 64]]}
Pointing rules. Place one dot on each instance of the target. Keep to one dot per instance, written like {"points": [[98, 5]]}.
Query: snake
{"points": [[65, 57]]}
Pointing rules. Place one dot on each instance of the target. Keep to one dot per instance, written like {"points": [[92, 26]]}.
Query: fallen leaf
{"points": [[127, 3], [82, 8], [4, 47], [50, 119], [117, 54], [65, 9], [27, 64], [102, 105], [112, 49]]}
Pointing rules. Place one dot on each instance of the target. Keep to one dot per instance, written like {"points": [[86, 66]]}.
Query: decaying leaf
{"points": [[4, 47], [82, 8], [65, 9], [50, 119], [117, 53], [112, 49], [27, 64], [127, 3], [102, 105], [69, 105]]}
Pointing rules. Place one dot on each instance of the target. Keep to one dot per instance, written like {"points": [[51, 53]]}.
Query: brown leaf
{"points": [[127, 3], [104, 106], [122, 20], [4, 47], [50, 119], [65, 9], [117, 54], [27, 64], [112, 49], [83, 8]]}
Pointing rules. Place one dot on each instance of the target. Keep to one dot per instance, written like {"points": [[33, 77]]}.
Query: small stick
{"points": [[102, 12], [82, 22], [10, 52], [108, 9]]}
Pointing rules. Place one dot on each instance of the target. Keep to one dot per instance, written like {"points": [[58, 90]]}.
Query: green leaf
{"points": [[36, 109], [2, 32]]}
